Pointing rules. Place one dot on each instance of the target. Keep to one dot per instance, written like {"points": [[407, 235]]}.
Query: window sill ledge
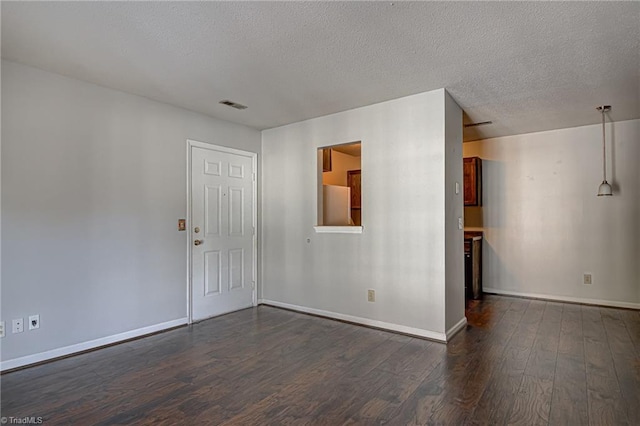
{"points": [[338, 229]]}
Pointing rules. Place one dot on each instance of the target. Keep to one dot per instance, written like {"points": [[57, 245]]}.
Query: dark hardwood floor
{"points": [[518, 362]]}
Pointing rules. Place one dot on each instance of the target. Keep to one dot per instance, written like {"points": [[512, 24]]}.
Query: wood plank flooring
{"points": [[519, 361]]}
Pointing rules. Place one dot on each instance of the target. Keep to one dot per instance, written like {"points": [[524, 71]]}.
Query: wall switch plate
{"points": [[34, 322], [460, 223], [586, 279], [371, 295], [18, 326], [1, 328], [182, 224], [457, 187]]}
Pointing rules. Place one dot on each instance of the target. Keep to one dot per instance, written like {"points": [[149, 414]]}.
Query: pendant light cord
{"points": [[604, 188], [604, 151]]}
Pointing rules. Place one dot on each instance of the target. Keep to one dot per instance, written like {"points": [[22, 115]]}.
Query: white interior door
{"points": [[222, 231]]}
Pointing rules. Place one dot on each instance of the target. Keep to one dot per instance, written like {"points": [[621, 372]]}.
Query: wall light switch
{"points": [[457, 187], [460, 223]]}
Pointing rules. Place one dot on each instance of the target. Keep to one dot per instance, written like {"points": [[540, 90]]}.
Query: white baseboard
{"points": [[92, 344], [440, 337], [456, 328], [598, 302]]}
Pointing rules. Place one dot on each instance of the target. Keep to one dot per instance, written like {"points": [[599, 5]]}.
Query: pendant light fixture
{"points": [[604, 188]]}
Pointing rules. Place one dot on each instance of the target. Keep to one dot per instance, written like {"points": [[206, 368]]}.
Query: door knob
{"points": [[198, 242]]}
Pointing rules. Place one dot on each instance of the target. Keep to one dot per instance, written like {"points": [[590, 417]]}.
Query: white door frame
{"points": [[254, 163]]}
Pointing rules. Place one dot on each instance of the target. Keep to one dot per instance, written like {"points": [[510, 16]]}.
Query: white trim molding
{"points": [[456, 328], [91, 344], [581, 300], [427, 334], [338, 229]]}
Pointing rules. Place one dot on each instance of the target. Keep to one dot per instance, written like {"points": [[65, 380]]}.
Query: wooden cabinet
{"points": [[353, 182], [472, 170], [326, 160]]}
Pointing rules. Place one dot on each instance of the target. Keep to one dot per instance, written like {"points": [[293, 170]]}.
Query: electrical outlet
{"points": [[587, 279], [34, 322], [371, 295], [1, 328], [18, 326]]}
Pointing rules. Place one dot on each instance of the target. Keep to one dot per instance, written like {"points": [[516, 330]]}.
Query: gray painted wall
{"points": [[544, 225], [454, 237], [401, 252], [93, 183]]}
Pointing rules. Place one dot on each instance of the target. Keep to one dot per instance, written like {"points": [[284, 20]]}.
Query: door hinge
{"points": [[253, 176], [253, 285]]}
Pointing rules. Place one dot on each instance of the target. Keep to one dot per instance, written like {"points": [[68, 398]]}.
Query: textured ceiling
{"points": [[526, 66]]}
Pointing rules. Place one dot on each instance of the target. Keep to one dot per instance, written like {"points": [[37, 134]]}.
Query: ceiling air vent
{"points": [[481, 123], [233, 104]]}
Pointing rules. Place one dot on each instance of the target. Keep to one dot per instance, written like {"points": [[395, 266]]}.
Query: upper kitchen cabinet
{"points": [[472, 181]]}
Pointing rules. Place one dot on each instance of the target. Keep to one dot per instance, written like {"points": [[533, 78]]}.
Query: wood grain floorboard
{"points": [[625, 361], [518, 361], [532, 402], [569, 400]]}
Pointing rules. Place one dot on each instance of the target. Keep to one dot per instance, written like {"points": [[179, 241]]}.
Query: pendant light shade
{"points": [[604, 189]]}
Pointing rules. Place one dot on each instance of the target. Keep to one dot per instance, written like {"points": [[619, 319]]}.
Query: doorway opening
{"points": [[340, 185]]}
